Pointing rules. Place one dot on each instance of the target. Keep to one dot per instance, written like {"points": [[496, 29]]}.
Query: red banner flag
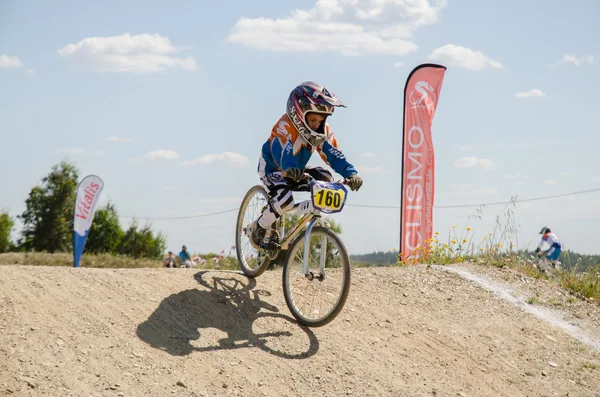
{"points": [[421, 95]]}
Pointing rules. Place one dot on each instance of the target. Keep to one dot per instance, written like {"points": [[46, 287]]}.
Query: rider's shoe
{"points": [[257, 234]]}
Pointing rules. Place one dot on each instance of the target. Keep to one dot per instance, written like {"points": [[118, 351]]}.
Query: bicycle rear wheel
{"points": [[316, 298], [253, 262]]}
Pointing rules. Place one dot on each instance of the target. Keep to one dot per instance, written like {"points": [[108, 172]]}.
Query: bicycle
{"points": [[317, 266], [544, 265]]}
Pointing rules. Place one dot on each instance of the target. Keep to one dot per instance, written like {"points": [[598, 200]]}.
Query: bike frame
{"points": [[312, 216], [544, 264]]}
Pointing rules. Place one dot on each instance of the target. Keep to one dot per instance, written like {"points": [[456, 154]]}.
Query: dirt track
{"points": [[404, 332]]}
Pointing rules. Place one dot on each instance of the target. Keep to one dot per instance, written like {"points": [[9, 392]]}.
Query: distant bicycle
{"points": [[316, 273], [545, 266]]}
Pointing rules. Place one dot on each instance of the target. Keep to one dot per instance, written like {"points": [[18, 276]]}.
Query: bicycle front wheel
{"points": [[316, 297], [252, 261]]}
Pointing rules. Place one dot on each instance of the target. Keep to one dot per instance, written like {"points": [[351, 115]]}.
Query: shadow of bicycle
{"points": [[231, 315]]}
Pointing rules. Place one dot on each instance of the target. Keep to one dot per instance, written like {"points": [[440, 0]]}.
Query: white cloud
{"points": [[566, 173], [349, 27], [466, 148], [517, 177], [142, 53], [170, 187], [117, 139], [470, 162], [29, 72], [78, 150], [227, 157], [534, 93], [567, 58], [368, 155], [550, 182], [161, 155], [455, 55], [373, 170], [596, 179], [398, 64], [472, 191], [10, 62]]}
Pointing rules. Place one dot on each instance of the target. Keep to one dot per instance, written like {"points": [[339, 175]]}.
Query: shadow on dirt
{"points": [[230, 304]]}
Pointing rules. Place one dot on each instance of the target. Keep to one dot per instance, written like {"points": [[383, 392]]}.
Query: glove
{"points": [[354, 182], [537, 250], [294, 174]]}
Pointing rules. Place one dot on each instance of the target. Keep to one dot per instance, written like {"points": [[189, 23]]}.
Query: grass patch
{"points": [[102, 261], [584, 284], [590, 366], [66, 259], [500, 248]]}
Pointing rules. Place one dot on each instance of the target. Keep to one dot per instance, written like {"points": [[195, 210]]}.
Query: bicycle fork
{"points": [[322, 257]]}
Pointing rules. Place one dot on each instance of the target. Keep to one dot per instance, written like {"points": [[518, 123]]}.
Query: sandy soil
{"points": [[417, 331]]}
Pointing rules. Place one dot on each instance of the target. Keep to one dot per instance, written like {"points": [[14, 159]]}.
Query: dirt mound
{"points": [[414, 331]]}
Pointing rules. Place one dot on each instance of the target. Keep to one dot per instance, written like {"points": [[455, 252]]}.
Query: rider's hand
{"points": [[294, 174], [540, 254], [355, 182]]}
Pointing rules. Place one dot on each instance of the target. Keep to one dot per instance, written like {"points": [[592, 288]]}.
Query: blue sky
{"points": [[170, 103]]}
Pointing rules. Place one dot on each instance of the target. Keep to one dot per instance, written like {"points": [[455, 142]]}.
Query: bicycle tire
{"points": [[289, 290], [239, 235]]}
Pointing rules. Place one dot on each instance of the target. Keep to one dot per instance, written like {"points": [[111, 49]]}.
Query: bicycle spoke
{"points": [[252, 261], [316, 300]]}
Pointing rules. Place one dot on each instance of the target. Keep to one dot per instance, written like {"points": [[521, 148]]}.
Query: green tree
{"points": [[142, 243], [106, 233], [289, 222], [48, 217], [378, 258], [6, 226], [335, 226]]}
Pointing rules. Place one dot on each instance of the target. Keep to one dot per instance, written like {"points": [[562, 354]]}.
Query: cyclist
{"points": [[553, 253], [294, 138]]}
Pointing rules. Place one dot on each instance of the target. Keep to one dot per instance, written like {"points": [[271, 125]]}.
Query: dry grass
{"points": [[585, 284], [65, 259], [101, 261], [500, 247]]}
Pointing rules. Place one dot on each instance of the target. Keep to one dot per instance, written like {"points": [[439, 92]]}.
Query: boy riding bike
{"points": [[294, 138], [553, 253]]}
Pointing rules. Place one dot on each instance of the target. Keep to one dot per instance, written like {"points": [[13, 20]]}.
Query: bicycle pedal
{"points": [[270, 246]]}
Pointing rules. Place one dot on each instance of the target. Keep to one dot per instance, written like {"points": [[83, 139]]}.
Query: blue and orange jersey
{"points": [[286, 149]]}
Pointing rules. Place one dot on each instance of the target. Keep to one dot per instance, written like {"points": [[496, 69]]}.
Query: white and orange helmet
{"points": [[310, 97]]}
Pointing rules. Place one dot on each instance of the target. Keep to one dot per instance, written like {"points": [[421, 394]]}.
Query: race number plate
{"points": [[328, 197]]}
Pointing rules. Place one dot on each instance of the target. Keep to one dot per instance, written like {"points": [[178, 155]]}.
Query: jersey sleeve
{"points": [[282, 146], [332, 154], [541, 244]]}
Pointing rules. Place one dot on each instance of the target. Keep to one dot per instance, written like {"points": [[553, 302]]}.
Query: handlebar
{"points": [[309, 178]]}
